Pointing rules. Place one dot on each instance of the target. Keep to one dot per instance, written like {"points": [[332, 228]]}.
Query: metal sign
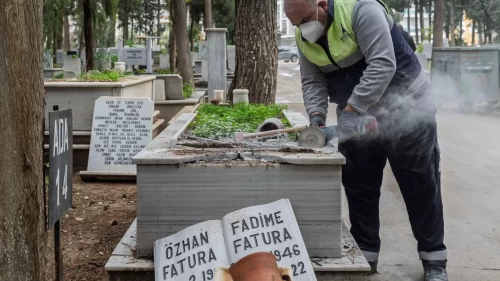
{"points": [[60, 164]]}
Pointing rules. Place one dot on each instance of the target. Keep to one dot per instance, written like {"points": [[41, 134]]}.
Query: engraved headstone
{"points": [[121, 128], [134, 56]]}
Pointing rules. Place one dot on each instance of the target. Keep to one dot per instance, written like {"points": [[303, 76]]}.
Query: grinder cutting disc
{"points": [[312, 137]]}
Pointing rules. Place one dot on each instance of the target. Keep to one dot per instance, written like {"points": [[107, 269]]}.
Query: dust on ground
{"points": [[101, 214]]}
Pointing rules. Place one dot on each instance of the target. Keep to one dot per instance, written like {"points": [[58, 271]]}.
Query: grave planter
{"points": [[180, 185], [81, 96]]}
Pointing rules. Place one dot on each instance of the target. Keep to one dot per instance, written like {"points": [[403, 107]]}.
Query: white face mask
{"points": [[312, 30]]}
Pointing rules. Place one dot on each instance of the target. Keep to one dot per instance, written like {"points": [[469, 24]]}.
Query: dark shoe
{"points": [[373, 266], [435, 270]]}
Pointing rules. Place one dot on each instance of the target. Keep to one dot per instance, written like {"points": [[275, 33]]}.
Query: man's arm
{"points": [[371, 28], [314, 88]]}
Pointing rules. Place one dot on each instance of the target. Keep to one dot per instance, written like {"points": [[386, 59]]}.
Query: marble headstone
{"points": [[231, 57], [202, 50], [121, 128]]}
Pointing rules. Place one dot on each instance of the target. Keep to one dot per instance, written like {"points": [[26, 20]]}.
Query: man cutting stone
{"points": [[353, 54]]}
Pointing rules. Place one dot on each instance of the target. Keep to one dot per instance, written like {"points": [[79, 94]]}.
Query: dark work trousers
{"points": [[408, 139]]}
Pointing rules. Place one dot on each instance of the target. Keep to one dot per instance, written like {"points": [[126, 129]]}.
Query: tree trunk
{"points": [[430, 18], [191, 33], [54, 44], [438, 23], [417, 39], [408, 20], [184, 63], [172, 50], [22, 213], [112, 31], [422, 21], [158, 24], [480, 33], [67, 41], [453, 25], [88, 34], [460, 28], [256, 50], [207, 14], [60, 24], [125, 28], [473, 33]]}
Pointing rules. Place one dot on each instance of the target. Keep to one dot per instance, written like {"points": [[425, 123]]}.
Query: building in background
{"points": [[286, 30]]}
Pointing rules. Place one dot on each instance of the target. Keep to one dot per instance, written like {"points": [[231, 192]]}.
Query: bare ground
{"points": [[100, 216]]}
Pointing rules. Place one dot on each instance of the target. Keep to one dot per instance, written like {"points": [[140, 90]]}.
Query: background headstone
{"points": [[119, 49], [202, 50], [231, 57], [60, 54], [48, 61], [121, 128], [194, 57], [164, 61], [159, 90], [428, 49], [216, 38], [173, 86], [72, 64]]}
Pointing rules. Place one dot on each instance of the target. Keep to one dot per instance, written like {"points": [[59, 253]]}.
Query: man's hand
{"points": [[354, 124], [317, 120]]}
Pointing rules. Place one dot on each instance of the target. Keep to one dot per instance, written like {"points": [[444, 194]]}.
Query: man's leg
{"points": [[414, 156], [362, 179]]}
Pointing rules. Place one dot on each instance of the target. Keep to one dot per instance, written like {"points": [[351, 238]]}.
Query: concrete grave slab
{"points": [[173, 86]]}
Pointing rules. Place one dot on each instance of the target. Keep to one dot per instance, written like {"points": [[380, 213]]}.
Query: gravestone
{"points": [[103, 60], [72, 64], [231, 57], [121, 128], [60, 54], [164, 61], [422, 58], [202, 50], [201, 67], [119, 49], [134, 56], [194, 57], [428, 49], [173, 86], [216, 38], [48, 61]]}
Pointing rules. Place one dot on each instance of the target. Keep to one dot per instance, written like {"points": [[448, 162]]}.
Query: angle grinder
{"points": [[314, 137]]}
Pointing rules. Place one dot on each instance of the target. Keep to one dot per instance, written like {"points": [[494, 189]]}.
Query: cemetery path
{"points": [[89, 233]]}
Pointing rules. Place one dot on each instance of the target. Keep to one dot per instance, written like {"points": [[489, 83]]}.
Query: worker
{"points": [[352, 53], [407, 38]]}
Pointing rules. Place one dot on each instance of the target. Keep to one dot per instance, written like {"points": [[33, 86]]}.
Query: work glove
{"points": [[317, 121], [354, 124]]}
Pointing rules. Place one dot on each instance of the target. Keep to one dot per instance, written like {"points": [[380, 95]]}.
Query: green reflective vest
{"points": [[341, 40]]}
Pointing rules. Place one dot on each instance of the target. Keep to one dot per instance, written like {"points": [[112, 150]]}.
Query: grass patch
{"points": [[217, 122], [105, 76], [164, 71]]}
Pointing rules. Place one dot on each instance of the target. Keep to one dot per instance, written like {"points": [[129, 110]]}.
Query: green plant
{"points": [[105, 76], [164, 51], [74, 56], [114, 59], [60, 75], [163, 71], [420, 48], [130, 43], [218, 122], [187, 90]]}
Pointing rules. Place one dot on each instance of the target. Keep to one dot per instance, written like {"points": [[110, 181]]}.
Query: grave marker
{"points": [[60, 176], [121, 128]]}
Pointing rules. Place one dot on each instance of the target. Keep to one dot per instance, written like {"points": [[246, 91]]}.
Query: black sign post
{"points": [[60, 175]]}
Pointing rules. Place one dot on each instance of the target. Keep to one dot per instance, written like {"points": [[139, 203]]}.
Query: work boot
{"points": [[373, 266], [435, 270]]}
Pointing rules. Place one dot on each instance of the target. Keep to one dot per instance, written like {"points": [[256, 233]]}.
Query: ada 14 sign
{"points": [[60, 164]]}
